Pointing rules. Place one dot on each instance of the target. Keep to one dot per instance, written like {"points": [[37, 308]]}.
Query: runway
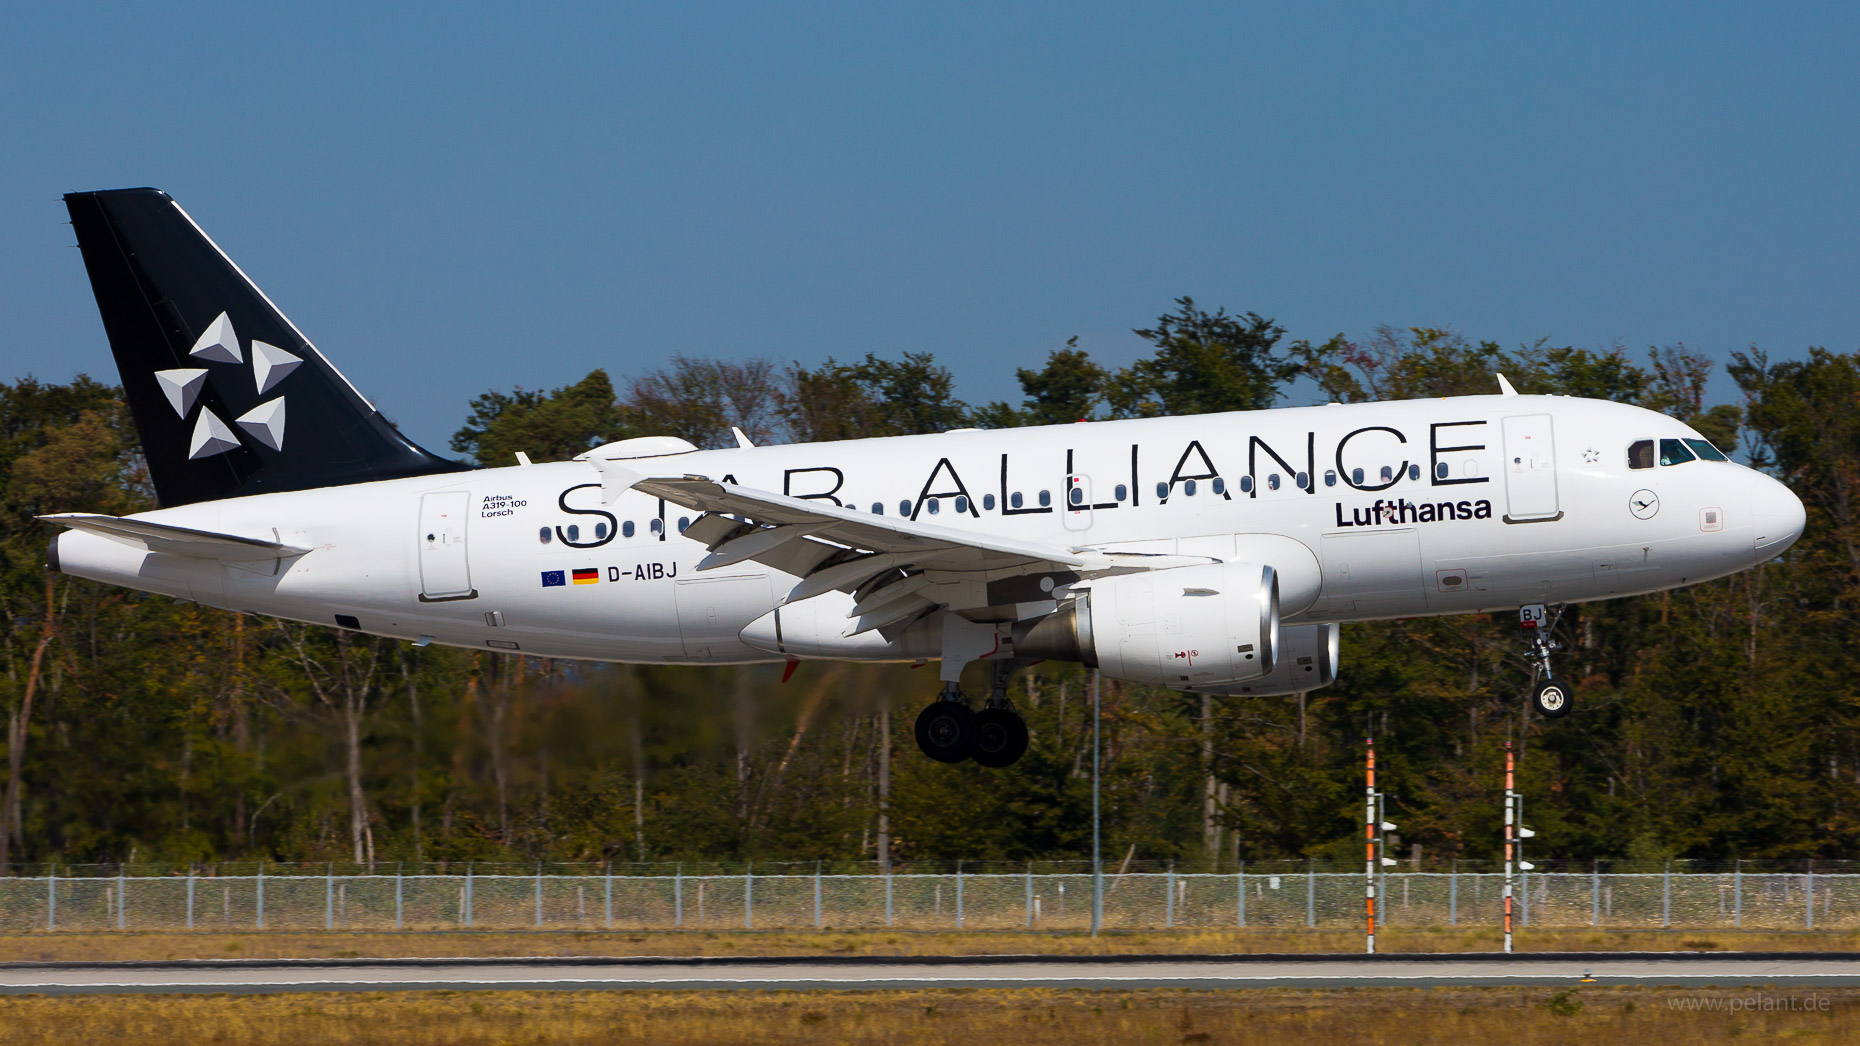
{"points": [[1738, 969]]}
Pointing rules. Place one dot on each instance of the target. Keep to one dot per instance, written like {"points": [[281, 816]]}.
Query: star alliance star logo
{"points": [[219, 343]]}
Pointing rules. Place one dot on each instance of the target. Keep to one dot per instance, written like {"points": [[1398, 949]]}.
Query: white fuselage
{"points": [[1408, 508]]}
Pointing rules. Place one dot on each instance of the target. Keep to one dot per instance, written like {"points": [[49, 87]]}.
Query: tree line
{"points": [[1720, 721]]}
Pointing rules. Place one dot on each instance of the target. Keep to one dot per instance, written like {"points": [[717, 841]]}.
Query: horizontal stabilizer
{"points": [[178, 541]]}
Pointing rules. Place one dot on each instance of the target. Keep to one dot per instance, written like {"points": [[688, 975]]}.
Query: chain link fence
{"points": [[1285, 896]]}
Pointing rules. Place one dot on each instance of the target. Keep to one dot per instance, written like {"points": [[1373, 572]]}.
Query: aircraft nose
{"points": [[1780, 519]]}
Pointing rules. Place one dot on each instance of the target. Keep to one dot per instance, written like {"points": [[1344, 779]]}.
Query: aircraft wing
{"points": [[896, 568], [179, 541]]}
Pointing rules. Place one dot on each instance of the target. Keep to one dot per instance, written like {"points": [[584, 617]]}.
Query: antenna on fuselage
{"points": [[1504, 387]]}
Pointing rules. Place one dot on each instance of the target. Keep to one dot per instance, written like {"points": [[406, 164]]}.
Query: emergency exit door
{"points": [[445, 572], [1530, 469]]}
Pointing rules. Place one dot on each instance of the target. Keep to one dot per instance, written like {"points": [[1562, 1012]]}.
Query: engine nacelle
{"points": [[1307, 660], [1186, 627]]}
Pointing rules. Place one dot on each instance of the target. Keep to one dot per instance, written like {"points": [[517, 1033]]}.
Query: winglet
{"points": [[742, 439], [1504, 387]]}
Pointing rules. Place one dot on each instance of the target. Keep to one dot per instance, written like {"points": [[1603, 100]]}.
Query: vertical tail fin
{"points": [[229, 398]]}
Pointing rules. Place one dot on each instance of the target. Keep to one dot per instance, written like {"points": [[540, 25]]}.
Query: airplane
{"points": [[1215, 554]]}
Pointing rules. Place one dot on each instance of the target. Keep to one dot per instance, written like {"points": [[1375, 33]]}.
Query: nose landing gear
{"points": [[949, 731], [1551, 697]]}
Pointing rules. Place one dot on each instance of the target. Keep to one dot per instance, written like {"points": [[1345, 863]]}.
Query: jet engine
{"points": [[1196, 627], [1307, 659]]}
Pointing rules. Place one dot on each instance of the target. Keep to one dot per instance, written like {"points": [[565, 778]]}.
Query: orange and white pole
{"points": [[1369, 845], [1510, 839]]}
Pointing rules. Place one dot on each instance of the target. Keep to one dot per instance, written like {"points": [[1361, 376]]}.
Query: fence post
{"points": [[816, 895], [958, 895], [1169, 908], [190, 896], [1524, 901], [1810, 893], [329, 896], [1240, 881], [399, 894], [51, 897], [1453, 894], [678, 896], [887, 893], [539, 895], [1311, 894], [121, 897], [607, 919], [468, 891], [261, 895], [1666, 895], [749, 909], [1737, 895], [1029, 895], [1595, 892]]}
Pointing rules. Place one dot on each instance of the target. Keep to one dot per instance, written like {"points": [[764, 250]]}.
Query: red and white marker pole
{"points": [[1369, 845], [1510, 840]]}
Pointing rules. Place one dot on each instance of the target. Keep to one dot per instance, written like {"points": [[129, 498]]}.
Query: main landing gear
{"points": [[949, 731], [1551, 697]]}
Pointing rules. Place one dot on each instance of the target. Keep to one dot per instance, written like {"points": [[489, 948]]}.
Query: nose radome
{"points": [[1780, 519]]}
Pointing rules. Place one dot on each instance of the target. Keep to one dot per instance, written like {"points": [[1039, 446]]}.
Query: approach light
{"points": [[1388, 862], [1525, 833], [1527, 866], [1388, 826]]}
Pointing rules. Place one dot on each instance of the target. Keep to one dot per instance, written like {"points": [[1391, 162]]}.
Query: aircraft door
{"points": [[1530, 469], [713, 611], [445, 572], [1077, 508]]}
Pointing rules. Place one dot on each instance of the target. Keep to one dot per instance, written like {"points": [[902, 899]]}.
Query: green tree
{"points": [[1069, 388], [548, 426], [1204, 363]]}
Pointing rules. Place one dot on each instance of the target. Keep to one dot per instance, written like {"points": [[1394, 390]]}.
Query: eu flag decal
{"points": [[554, 578], [588, 576]]}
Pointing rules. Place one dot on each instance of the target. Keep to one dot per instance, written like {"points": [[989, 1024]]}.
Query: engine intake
{"points": [[1186, 627]]}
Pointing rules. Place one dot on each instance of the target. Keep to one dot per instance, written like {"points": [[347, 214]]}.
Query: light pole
{"points": [[1097, 864]]}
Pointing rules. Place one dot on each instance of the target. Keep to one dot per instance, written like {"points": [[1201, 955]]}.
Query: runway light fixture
{"points": [[1388, 826], [1388, 862], [1527, 866], [1526, 833]]}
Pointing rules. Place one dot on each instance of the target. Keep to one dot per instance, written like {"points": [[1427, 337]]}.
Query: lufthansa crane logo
{"points": [[1644, 504]]}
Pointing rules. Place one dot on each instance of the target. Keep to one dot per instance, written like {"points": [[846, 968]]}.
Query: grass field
{"points": [[289, 944], [1031, 1017]]}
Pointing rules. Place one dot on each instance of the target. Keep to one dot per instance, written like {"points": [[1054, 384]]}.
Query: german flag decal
{"points": [[589, 576]]}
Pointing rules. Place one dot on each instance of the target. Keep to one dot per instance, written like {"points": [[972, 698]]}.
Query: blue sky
{"points": [[453, 199]]}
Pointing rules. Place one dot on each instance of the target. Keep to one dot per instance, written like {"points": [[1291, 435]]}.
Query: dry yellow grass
{"points": [[1271, 1017], [288, 944]]}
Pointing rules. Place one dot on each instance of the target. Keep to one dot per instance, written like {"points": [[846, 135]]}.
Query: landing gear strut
{"points": [[1000, 732], [949, 731], [1551, 697]]}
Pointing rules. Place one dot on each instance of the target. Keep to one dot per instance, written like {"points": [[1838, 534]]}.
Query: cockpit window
{"points": [[1640, 454], [1704, 449], [1674, 452]]}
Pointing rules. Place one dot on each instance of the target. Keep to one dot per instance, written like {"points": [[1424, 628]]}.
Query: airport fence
{"points": [[1286, 896]]}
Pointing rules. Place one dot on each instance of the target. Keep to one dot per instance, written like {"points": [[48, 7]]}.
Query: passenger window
{"points": [[1246, 484], [1440, 470], [1046, 499], [988, 502], [1705, 450], [1272, 481], [1388, 474], [1015, 500], [1076, 495], [1188, 487], [962, 504], [657, 526], [626, 529], [1356, 476], [935, 505], [1673, 452], [878, 508], [600, 530], [683, 522], [1122, 492], [1162, 491], [1220, 485], [543, 535], [904, 508], [1414, 472], [1330, 477], [1304, 481], [1640, 454], [574, 532]]}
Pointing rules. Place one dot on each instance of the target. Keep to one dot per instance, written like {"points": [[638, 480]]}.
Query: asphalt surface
{"points": [[1734, 969]]}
